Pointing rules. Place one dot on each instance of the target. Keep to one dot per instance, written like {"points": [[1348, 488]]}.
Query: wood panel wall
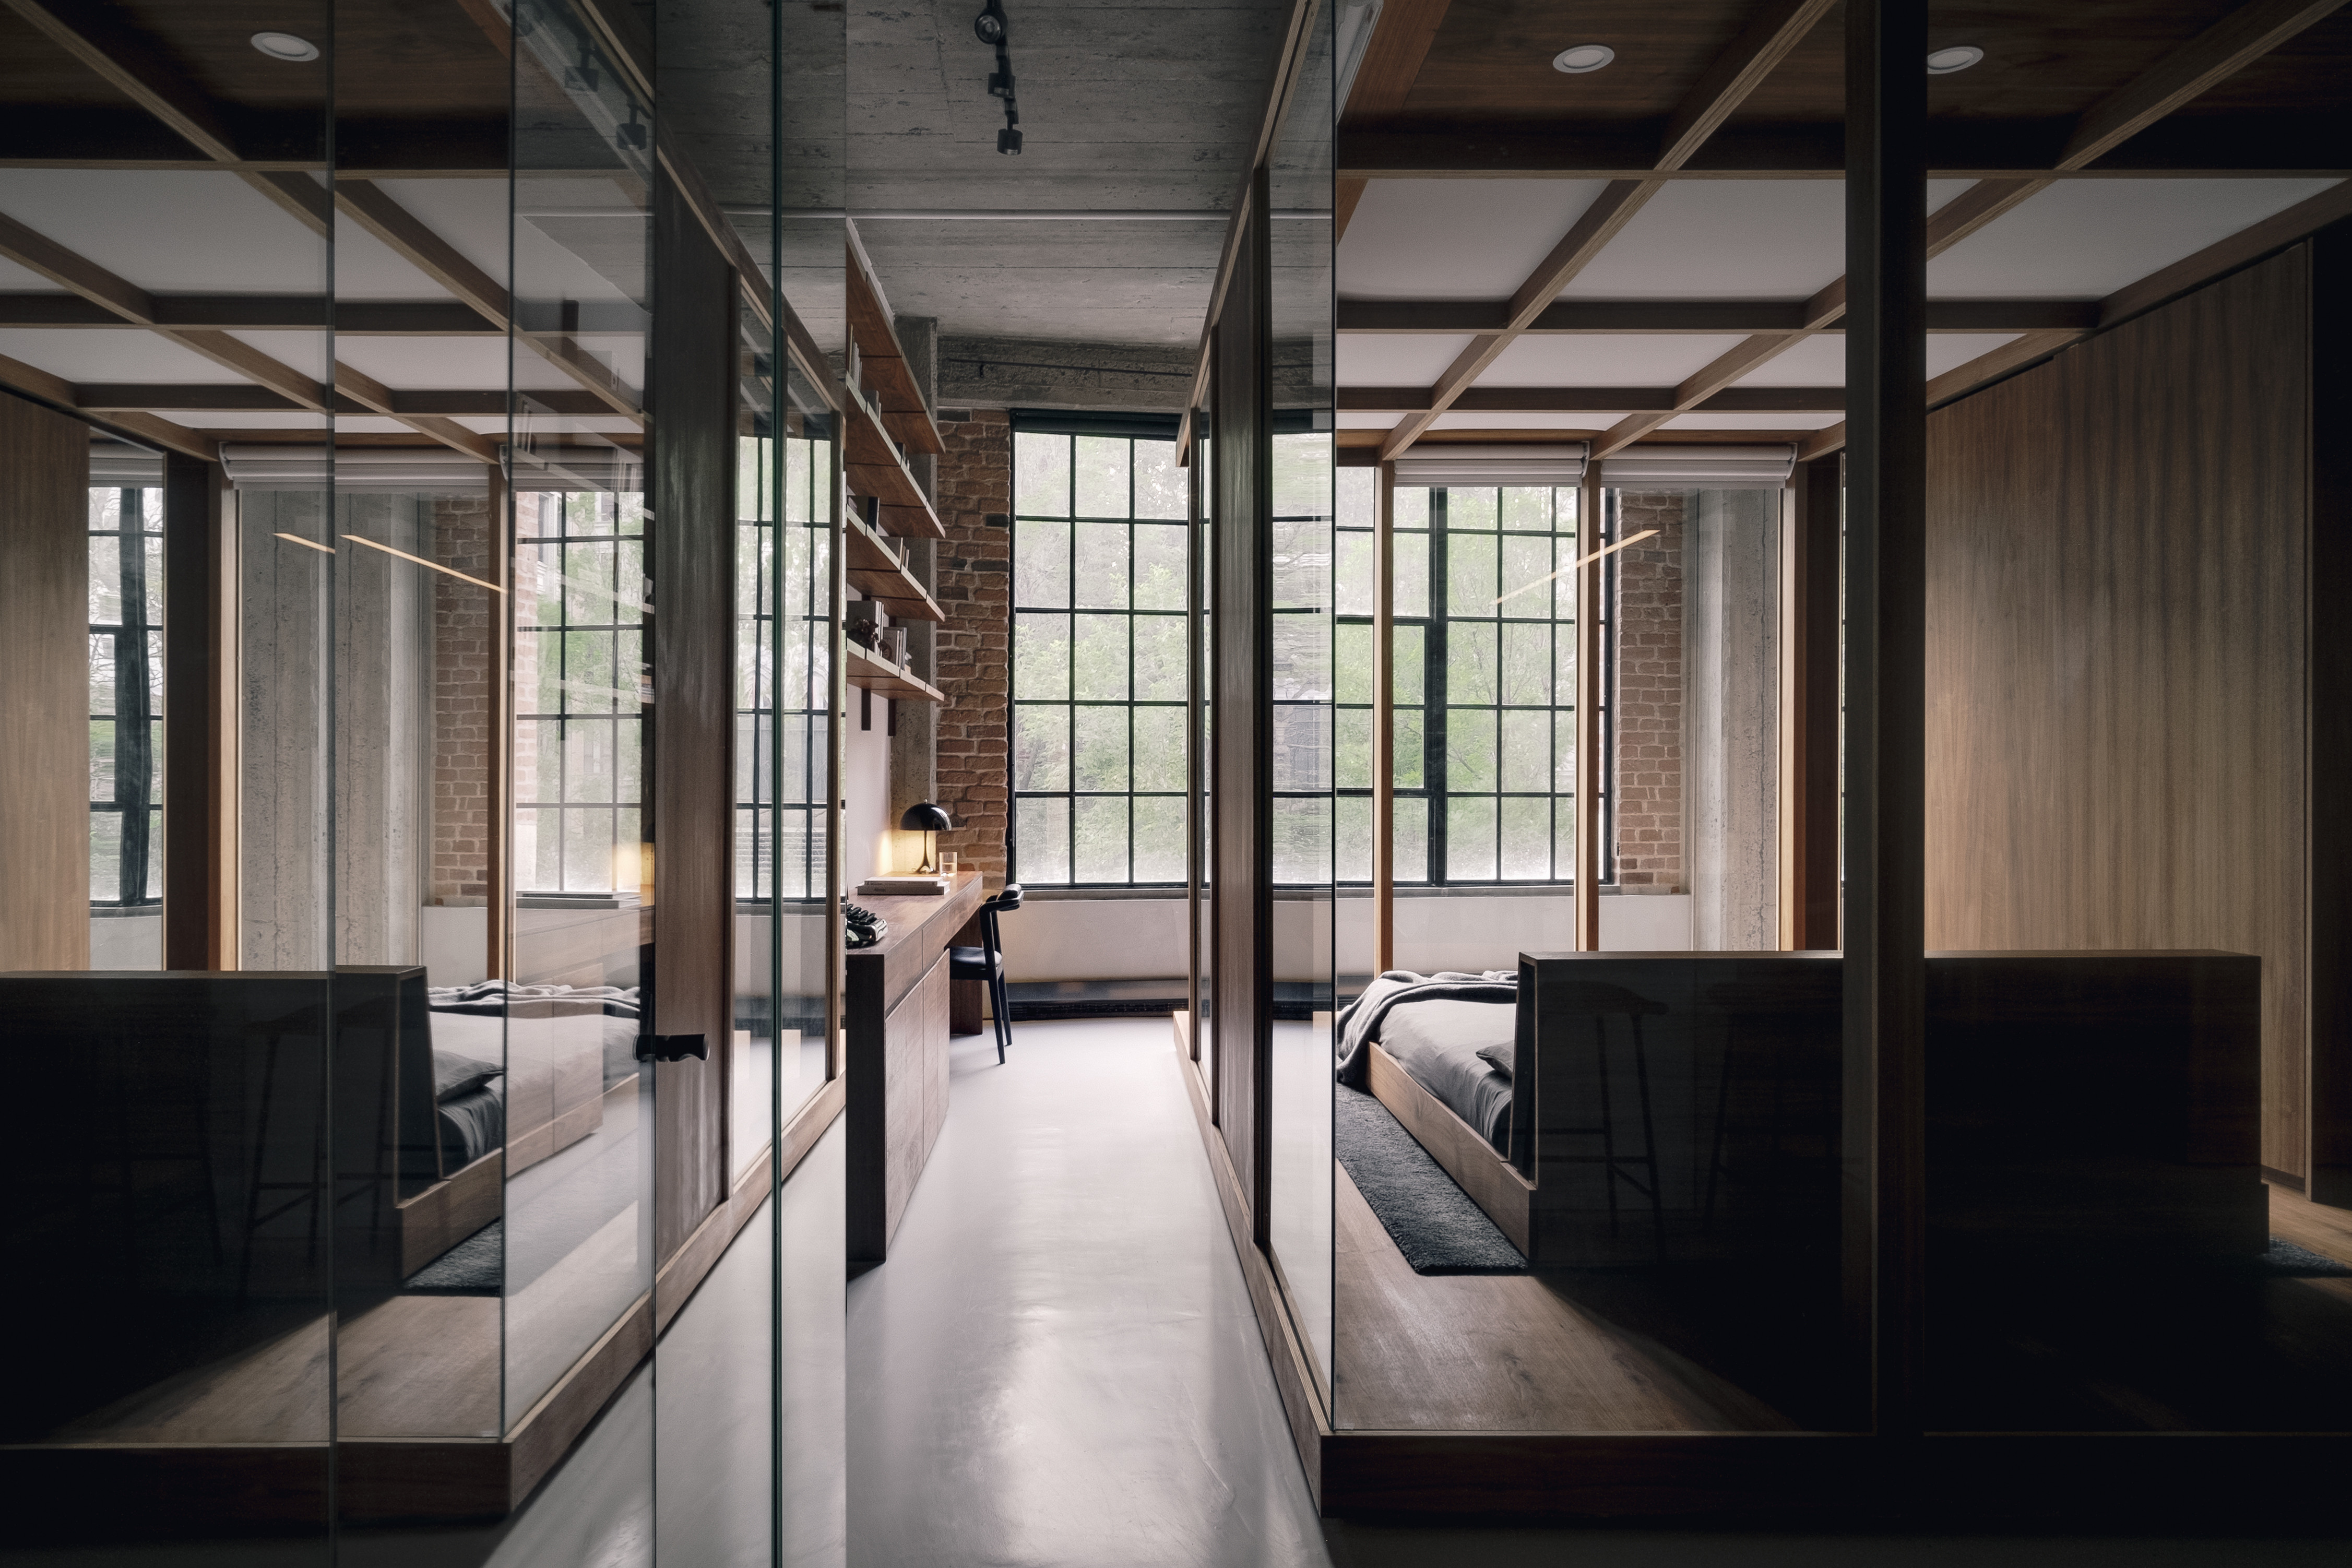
{"points": [[1242, 793], [44, 689], [2115, 667], [693, 528], [2329, 584], [200, 724]]}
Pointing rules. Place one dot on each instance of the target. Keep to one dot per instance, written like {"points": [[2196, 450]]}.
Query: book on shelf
{"points": [[903, 888]]}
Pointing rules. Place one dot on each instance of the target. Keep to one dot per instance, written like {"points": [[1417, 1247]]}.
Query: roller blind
{"points": [[1699, 467], [1556, 465]]}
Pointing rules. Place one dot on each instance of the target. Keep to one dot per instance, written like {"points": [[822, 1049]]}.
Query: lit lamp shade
{"points": [[929, 820]]}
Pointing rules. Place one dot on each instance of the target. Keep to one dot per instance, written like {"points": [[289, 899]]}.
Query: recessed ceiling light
{"points": [[1581, 58], [285, 46], [1958, 58]]}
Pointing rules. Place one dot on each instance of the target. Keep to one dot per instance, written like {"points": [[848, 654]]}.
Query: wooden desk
{"points": [[896, 1018]]}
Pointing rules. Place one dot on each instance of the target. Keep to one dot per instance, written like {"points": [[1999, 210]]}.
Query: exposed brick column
{"points": [[1648, 702], [464, 621], [974, 587]]}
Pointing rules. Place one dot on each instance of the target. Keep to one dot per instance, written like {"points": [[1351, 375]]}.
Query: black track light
{"points": [[990, 25]]}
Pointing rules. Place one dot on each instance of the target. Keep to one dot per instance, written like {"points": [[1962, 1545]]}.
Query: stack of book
{"points": [[903, 888]]}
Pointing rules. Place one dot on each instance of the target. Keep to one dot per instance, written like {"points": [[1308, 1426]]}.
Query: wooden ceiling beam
{"points": [[1778, 27]]}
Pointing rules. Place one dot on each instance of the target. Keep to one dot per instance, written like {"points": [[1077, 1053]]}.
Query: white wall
{"points": [[126, 941], [866, 785], [453, 942], [1095, 938]]}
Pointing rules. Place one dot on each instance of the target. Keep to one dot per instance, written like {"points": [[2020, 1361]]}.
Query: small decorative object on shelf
{"points": [[862, 927], [861, 623]]}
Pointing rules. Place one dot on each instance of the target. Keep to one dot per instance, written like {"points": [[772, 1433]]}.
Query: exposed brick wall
{"points": [[463, 626], [974, 586], [1648, 702]]}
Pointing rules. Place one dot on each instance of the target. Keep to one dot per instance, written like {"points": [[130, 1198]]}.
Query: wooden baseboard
{"points": [[447, 1211], [1493, 1182]]}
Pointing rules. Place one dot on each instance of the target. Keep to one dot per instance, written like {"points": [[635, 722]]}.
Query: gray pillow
{"points": [[454, 1074], [1500, 1056]]}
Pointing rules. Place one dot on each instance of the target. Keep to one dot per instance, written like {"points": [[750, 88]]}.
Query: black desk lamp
{"points": [[929, 820]]}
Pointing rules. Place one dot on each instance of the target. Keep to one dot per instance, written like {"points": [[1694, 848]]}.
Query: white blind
{"points": [[1699, 467], [1530, 465], [352, 469]]}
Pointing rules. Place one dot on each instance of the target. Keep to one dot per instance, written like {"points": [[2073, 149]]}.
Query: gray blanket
{"points": [[1435, 1026]]}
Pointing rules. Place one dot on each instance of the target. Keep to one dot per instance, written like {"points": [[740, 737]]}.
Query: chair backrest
{"points": [[1010, 898]]}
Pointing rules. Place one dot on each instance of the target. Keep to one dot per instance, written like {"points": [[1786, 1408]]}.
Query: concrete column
{"points": [[382, 736], [284, 834], [1732, 749], [914, 749]]}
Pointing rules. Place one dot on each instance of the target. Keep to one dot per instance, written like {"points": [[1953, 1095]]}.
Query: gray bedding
{"points": [[1435, 1026]]}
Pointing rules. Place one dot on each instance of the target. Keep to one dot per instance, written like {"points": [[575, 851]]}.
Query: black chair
{"points": [[987, 963]]}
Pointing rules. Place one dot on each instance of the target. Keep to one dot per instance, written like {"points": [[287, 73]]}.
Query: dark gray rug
{"points": [[474, 1267], [2285, 1260], [1433, 1221]]}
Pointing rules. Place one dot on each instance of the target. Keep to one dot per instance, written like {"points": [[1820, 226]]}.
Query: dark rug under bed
{"points": [[1433, 1221], [474, 1267]]}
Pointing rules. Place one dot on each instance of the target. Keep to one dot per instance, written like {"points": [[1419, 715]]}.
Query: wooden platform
{"points": [[1471, 1352]]}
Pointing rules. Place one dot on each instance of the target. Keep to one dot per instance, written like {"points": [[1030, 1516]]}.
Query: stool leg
{"points": [[1002, 1009]]}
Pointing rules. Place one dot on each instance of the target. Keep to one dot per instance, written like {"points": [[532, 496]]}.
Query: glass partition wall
{"points": [[395, 655]]}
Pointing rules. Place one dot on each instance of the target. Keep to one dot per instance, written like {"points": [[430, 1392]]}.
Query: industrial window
{"points": [[580, 684], [1485, 692], [126, 697], [1099, 563]]}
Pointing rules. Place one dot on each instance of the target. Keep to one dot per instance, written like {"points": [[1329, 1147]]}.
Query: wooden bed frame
{"points": [[1492, 1182]]}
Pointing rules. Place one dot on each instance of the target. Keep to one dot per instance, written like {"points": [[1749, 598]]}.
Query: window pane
{"points": [[1159, 658], [1159, 553], [1160, 748], [106, 857], [1411, 596], [1471, 508], [101, 759], [588, 583], [1409, 755], [1159, 482], [1409, 507], [1099, 464], [587, 851], [1526, 561], [1470, 838], [1407, 663], [1526, 662], [1041, 748], [1470, 660], [1098, 748], [1352, 748], [1563, 778], [1302, 563], [1098, 660], [1351, 832], [1526, 838], [101, 672], [1526, 508], [1102, 838], [1356, 571], [1041, 655], [1470, 748], [588, 762], [1470, 571], [1351, 656], [1041, 564], [629, 759], [1158, 836], [1302, 840], [105, 580], [152, 549], [1302, 657], [1102, 566], [1357, 492], [1302, 474], [1043, 849], [1411, 839], [1302, 743], [539, 847], [588, 683], [1041, 475], [1527, 750]]}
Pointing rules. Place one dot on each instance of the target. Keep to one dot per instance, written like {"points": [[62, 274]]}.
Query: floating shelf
{"points": [[883, 362], [876, 469], [876, 572], [872, 672]]}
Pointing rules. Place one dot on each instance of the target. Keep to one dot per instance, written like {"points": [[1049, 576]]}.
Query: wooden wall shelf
{"points": [[883, 361], [875, 571], [876, 468], [872, 672]]}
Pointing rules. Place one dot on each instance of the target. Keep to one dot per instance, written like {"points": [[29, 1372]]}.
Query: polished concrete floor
{"points": [[1058, 1364]]}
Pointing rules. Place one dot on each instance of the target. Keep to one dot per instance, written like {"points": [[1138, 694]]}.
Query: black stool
{"points": [[987, 963]]}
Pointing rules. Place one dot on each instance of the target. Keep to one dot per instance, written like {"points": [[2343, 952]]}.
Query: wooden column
{"points": [[1812, 512], [2328, 692], [1588, 713], [1384, 719], [692, 529], [44, 689], [1885, 343], [200, 723]]}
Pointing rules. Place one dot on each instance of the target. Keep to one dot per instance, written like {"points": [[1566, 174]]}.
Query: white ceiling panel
{"points": [[1604, 359], [305, 352], [1730, 239], [472, 216], [170, 231], [367, 269], [1575, 419], [228, 419], [79, 356], [474, 362], [2084, 239], [1351, 420], [18, 280], [1819, 360], [1815, 421], [1455, 239], [1383, 360], [494, 426]]}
